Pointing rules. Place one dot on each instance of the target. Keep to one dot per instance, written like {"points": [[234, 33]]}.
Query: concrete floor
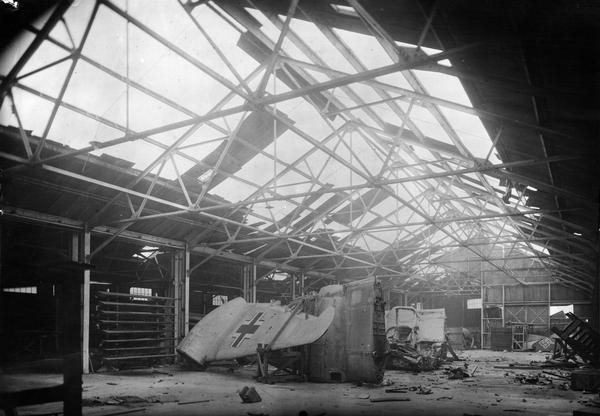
{"points": [[490, 392]]}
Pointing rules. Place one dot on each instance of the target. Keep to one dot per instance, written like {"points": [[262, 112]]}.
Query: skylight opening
{"points": [[312, 35], [362, 118], [291, 148], [107, 46], [274, 209], [199, 11], [266, 27], [176, 165], [147, 252], [77, 18], [290, 49], [104, 97], [471, 132], [428, 125], [279, 276], [320, 76], [394, 82], [361, 218], [375, 244], [428, 51], [76, 130], [219, 28], [155, 67], [443, 86], [36, 116], [233, 190], [425, 155], [366, 48], [388, 236], [540, 249], [289, 184], [345, 10], [316, 204], [387, 207], [199, 149], [384, 112]]}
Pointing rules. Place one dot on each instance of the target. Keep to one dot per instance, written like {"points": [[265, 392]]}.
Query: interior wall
{"points": [[30, 323], [457, 313]]}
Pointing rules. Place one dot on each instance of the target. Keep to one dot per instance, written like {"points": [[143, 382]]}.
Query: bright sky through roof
{"points": [[164, 88]]}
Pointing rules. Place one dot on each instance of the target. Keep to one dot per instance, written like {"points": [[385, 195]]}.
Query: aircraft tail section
{"points": [[235, 329]]}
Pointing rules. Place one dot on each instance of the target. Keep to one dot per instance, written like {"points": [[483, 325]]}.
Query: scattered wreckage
{"points": [[416, 338]]}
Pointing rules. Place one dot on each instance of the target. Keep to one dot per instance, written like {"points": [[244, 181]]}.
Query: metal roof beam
{"points": [[54, 18], [34, 216], [406, 95]]}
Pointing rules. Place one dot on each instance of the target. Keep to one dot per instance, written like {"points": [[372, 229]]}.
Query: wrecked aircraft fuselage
{"points": [[340, 332], [353, 347]]}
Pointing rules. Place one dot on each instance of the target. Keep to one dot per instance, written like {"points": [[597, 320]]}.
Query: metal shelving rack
{"points": [[135, 329]]}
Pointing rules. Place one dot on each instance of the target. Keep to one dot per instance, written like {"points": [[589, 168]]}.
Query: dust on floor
{"points": [[491, 391]]}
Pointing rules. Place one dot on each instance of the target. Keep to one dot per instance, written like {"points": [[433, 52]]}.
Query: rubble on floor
{"points": [[586, 379], [579, 338], [249, 395], [535, 391], [405, 357], [457, 373]]}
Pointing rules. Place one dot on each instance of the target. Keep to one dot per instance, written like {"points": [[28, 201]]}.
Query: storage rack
{"points": [[134, 329]]}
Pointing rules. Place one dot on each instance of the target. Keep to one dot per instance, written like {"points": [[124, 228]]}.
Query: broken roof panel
{"points": [[400, 145]]}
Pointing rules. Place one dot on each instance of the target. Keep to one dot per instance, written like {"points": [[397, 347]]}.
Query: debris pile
{"points": [[540, 379], [578, 338], [249, 395], [405, 357], [458, 373], [423, 390]]}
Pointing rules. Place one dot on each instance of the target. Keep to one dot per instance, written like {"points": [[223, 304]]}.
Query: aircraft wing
{"points": [[235, 329]]}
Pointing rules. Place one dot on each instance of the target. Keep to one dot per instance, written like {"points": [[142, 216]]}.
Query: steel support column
{"points": [[186, 292], [253, 281], [80, 253], [1, 291], [178, 275], [247, 282]]}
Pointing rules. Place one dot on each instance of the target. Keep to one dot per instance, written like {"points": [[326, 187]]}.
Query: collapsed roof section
{"points": [[332, 138]]}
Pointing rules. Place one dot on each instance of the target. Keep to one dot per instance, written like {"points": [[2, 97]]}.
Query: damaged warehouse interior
{"points": [[300, 207]]}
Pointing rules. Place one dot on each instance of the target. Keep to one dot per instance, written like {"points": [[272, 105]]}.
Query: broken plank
{"points": [[145, 305], [157, 314], [129, 295], [135, 331], [124, 412], [195, 401], [116, 341], [137, 357], [137, 348], [557, 375], [389, 399]]}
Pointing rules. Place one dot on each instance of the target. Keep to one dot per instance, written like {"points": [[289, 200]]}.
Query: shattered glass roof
{"points": [[312, 132]]}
